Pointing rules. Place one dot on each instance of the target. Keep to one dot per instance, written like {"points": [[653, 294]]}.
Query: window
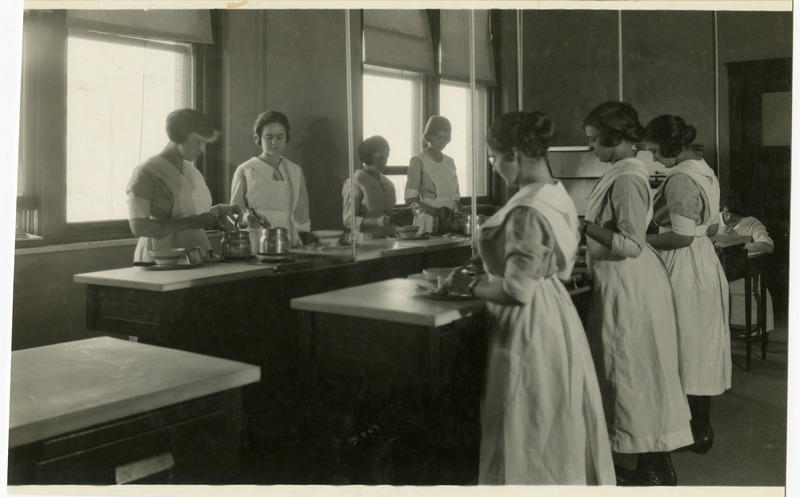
{"points": [[455, 103], [119, 89], [397, 118]]}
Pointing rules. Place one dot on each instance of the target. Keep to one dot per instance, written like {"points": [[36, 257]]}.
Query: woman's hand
{"points": [[419, 208], [455, 282], [206, 221]]}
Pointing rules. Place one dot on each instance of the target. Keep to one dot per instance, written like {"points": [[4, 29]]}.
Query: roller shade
{"points": [[400, 39], [455, 46], [175, 25]]}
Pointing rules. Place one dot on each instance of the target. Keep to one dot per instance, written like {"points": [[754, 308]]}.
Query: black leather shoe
{"points": [[653, 469]]}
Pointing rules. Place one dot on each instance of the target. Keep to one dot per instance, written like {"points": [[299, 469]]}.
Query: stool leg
{"points": [[748, 317], [762, 315]]}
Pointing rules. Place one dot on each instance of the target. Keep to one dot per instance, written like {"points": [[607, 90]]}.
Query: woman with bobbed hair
{"points": [[432, 182], [374, 195], [169, 204], [632, 327], [270, 184], [541, 413], [686, 210]]}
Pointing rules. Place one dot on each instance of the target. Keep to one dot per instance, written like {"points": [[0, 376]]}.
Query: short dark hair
{"points": [[434, 125], [670, 133], [528, 132], [183, 122], [269, 117], [733, 201], [369, 147], [615, 121]]}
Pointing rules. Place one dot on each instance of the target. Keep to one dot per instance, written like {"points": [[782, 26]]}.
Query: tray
{"points": [[169, 267], [431, 294], [426, 236]]}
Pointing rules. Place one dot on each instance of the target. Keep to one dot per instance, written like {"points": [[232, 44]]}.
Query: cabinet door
{"points": [[570, 65]]}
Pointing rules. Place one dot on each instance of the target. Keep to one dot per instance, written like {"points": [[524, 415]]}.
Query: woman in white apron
{"points": [[169, 204], [541, 413], [632, 327], [271, 184], [734, 222], [432, 183], [374, 195], [686, 210]]}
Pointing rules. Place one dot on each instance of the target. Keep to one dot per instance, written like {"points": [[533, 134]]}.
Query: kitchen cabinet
{"points": [[104, 411]]}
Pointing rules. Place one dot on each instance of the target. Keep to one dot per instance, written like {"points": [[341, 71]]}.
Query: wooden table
{"points": [[105, 411], [737, 264]]}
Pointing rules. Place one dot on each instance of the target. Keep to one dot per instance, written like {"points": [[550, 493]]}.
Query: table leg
{"points": [[762, 318], [748, 316]]}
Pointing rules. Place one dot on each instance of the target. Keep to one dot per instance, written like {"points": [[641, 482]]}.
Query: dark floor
{"points": [[749, 422]]}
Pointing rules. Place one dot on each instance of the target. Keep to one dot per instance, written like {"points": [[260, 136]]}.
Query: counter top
{"points": [[68, 386], [391, 300], [163, 281]]}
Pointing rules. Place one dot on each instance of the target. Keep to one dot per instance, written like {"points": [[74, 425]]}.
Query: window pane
{"points": [[454, 104], [399, 186], [118, 95], [392, 109]]}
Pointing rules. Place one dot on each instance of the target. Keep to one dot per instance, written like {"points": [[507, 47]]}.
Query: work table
{"points": [[223, 272]]}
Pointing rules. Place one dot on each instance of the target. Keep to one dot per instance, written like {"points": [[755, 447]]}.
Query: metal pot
{"points": [[236, 244], [274, 241]]}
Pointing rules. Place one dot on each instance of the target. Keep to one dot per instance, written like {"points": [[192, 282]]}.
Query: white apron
{"points": [[273, 200], [701, 296], [632, 331], [443, 176], [541, 414], [191, 197]]}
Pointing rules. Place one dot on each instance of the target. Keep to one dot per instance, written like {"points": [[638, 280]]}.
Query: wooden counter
{"points": [[74, 404]]}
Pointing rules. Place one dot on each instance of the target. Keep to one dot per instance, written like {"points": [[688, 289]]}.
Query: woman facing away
{"points": [[541, 412], [270, 184], [374, 195], [686, 210], [632, 327], [169, 204]]}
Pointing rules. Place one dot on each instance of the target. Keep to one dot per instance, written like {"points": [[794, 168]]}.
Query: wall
{"points": [[293, 61]]}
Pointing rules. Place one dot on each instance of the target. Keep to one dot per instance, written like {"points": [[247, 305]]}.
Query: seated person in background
{"points": [[734, 222], [374, 195]]}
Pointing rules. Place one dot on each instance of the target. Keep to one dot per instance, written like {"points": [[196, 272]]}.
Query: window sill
{"points": [[41, 246]]}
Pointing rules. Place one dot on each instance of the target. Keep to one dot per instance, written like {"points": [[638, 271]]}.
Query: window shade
{"points": [[400, 39], [175, 25], [455, 46]]}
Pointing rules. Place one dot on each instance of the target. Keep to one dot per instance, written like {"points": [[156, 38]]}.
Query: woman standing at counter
{"points": [[271, 184], [686, 209], [432, 183], [169, 204], [631, 322], [374, 195], [541, 414]]}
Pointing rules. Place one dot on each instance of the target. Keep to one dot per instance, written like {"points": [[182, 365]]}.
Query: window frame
{"points": [[41, 209]]}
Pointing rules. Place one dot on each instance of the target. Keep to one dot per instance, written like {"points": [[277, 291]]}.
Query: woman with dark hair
{"points": [[632, 327], [541, 413], [734, 221], [169, 204], [270, 184], [686, 210], [374, 195], [432, 183]]}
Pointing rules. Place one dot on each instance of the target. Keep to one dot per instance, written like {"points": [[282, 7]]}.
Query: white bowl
{"points": [[407, 231], [168, 257], [432, 273], [328, 238]]}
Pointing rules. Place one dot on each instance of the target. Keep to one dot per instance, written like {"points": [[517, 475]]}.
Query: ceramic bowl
{"points": [[432, 273], [407, 231], [168, 257], [328, 238]]}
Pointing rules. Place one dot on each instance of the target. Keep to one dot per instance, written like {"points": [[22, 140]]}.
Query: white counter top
{"points": [[163, 281], [64, 387], [391, 300]]}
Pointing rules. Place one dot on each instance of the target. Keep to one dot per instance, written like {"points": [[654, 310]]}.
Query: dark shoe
{"points": [[703, 438], [652, 469], [703, 434]]}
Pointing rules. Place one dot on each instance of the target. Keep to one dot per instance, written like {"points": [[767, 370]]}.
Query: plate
{"points": [[431, 294], [171, 267], [275, 259], [418, 237]]}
